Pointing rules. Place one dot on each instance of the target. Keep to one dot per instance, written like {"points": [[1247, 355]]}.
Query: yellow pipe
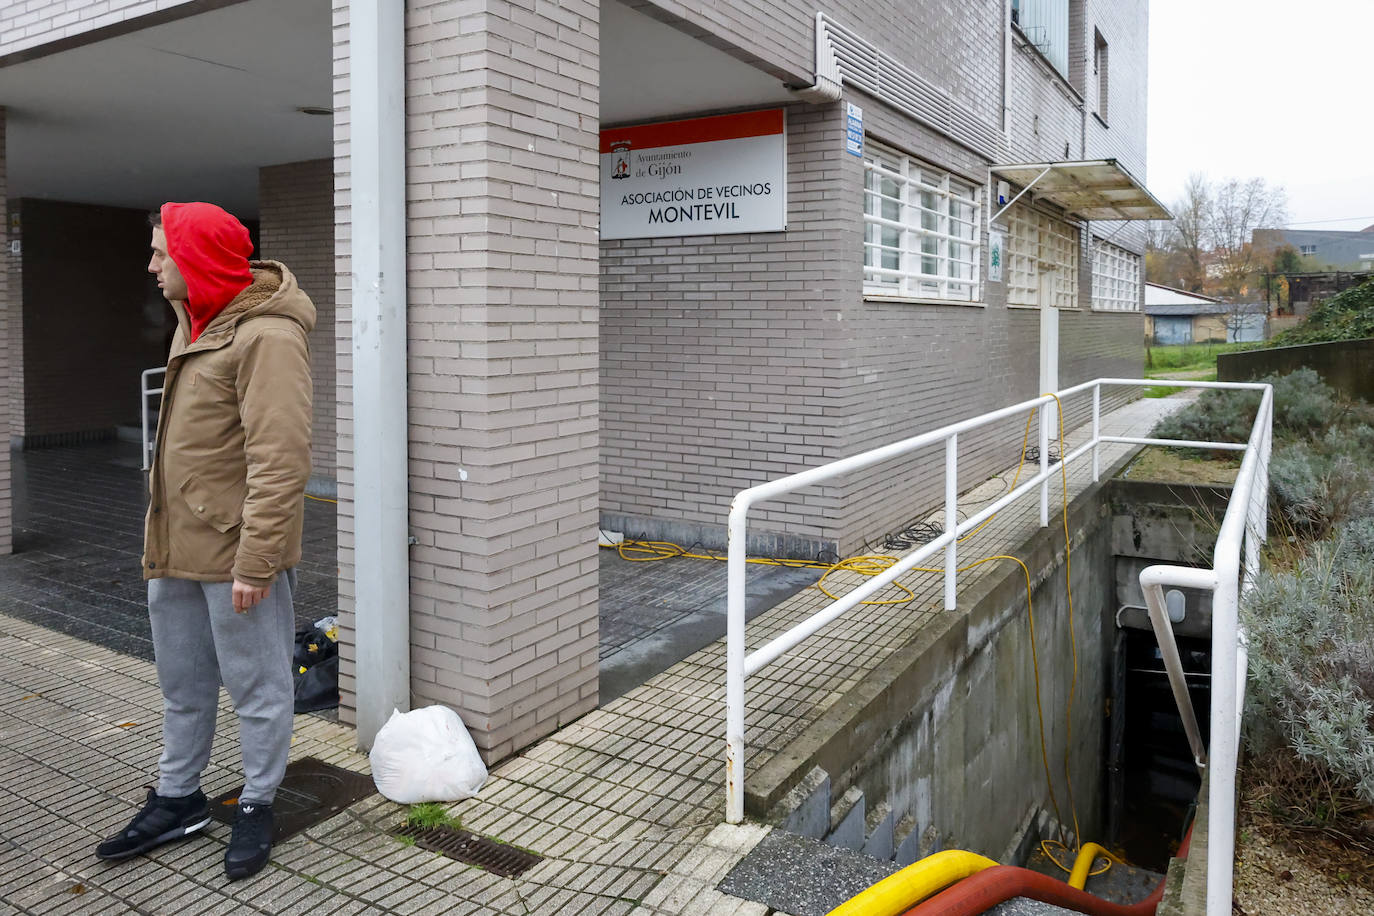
{"points": [[1084, 864], [898, 893]]}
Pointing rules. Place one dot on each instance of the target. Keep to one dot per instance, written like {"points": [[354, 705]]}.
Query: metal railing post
{"points": [[143, 416], [734, 663], [951, 517], [1153, 590], [1221, 779], [145, 391], [1045, 465], [1097, 430]]}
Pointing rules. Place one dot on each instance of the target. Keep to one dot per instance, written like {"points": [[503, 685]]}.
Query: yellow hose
{"points": [[1082, 865], [900, 892]]}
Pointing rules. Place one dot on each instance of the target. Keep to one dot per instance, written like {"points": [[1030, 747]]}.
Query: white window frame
{"points": [[947, 236], [1035, 239], [1116, 278]]}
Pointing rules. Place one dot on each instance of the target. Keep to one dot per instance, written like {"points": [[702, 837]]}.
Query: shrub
{"points": [[1303, 404], [1314, 488], [1311, 645], [1216, 416]]}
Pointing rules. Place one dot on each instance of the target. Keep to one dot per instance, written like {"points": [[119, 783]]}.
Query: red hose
{"points": [[983, 891]]}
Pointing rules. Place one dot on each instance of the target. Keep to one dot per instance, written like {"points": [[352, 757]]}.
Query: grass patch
{"points": [[1168, 362], [432, 814], [1174, 466]]}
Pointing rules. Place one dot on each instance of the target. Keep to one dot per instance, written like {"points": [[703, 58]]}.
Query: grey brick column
{"points": [[8, 353], [296, 213], [502, 206]]}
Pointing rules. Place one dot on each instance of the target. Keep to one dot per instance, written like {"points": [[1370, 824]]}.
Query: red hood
{"points": [[210, 248]]}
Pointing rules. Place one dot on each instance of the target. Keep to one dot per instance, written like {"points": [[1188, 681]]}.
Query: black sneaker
{"points": [[251, 843], [162, 820]]}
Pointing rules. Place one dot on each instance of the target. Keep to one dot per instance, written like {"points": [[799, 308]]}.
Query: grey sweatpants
{"points": [[199, 642]]}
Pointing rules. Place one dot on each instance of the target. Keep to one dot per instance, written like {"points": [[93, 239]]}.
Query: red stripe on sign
{"points": [[696, 130]]}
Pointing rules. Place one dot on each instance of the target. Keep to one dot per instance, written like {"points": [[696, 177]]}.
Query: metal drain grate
{"points": [[497, 858], [310, 792]]}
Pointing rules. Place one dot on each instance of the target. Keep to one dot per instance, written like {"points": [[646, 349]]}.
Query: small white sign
{"points": [[996, 244], [854, 130], [705, 176]]}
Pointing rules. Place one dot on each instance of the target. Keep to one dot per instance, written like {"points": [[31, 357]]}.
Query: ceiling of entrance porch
{"points": [[192, 108]]}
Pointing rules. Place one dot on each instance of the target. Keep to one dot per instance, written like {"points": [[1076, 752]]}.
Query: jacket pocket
{"points": [[222, 509]]}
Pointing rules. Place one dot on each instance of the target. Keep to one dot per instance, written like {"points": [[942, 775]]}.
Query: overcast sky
{"points": [[1262, 88]]}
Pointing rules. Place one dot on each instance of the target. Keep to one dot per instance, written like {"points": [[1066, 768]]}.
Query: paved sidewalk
{"points": [[627, 816], [626, 804]]}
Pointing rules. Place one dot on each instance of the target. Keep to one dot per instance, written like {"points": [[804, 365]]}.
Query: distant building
{"points": [[1326, 248], [1175, 317]]}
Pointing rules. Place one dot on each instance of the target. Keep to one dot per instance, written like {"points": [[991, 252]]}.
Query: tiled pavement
{"points": [[78, 535], [625, 804]]}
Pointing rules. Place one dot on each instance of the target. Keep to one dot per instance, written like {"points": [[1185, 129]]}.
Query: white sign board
{"points": [[996, 254], [706, 176]]}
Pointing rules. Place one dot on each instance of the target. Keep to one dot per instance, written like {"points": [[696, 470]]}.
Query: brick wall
{"points": [[14, 337], [950, 44], [87, 302], [718, 355], [343, 368], [502, 198], [296, 227], [1046, 113], [706, 389], [1125, 26], [7, 350]]}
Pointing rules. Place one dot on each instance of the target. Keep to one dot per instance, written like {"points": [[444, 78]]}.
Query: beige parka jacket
{"points": [[227, 486]]}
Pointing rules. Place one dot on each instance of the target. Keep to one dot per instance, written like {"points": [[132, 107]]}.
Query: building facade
{"points": [[557, 379], [1322, 249]]}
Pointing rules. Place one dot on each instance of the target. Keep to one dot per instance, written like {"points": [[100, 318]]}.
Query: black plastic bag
{"points": [[316, 670], [317, 687], [313, 646]]}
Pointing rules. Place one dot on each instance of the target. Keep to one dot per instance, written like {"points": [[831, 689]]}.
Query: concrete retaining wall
{"points": [[1346, 365], [940, 747]]}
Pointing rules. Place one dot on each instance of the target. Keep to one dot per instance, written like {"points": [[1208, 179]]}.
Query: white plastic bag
{"points": [[426, 755]]}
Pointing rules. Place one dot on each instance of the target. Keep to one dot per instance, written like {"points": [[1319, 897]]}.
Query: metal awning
{"points": [[1098, 189]]}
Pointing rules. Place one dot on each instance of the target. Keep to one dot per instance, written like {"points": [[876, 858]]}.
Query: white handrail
{"points": [[146, 393], [1244, 525]]}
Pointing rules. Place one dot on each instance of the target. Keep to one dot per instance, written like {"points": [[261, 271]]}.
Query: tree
{"points": [[1165, 261], [1192, 216], [1238, 209], [1208, 247]]}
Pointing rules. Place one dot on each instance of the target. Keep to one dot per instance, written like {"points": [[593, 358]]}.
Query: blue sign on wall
{"points": [[854, 130]]}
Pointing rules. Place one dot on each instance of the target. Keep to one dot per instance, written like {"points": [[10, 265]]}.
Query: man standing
{"points": [[223, 530]]}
